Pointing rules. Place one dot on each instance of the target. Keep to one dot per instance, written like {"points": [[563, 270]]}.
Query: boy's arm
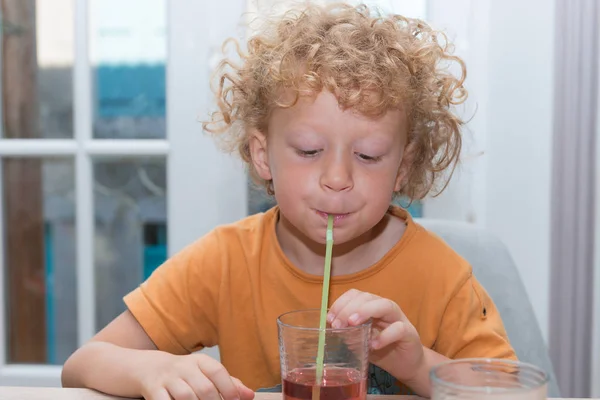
{"points": [[171, 314], [421, 383], [470, 327], [114, 361], [122, 360]]}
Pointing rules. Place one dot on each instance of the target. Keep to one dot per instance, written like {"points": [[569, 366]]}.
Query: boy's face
{"points": [[324, 160]]}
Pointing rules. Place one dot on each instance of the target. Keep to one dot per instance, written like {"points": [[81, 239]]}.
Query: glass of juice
{"points": [[346, 358], [488, 379]]}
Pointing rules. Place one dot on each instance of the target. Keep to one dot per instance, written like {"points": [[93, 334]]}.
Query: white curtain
{"points": [[573, 194]]}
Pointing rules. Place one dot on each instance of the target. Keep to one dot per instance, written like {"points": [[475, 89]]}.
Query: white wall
{"points": [[520, 117], [466, 22], [510, 79], [206, 187]]}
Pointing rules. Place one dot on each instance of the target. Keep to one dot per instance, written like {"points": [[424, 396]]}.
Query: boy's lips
{"points": [[337, 218]]}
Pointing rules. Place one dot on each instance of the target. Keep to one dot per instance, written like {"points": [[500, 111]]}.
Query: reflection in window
{"points": [[130, 238], [258, 199]]}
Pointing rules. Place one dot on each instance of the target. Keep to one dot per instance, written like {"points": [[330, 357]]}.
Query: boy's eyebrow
{"points": [[301, 130], [301, 136], [378, 138]]}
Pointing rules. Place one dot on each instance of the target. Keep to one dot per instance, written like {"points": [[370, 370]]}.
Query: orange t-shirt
{"points": [[229, 287]]}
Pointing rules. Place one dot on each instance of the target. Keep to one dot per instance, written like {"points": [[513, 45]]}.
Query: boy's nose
{"points": [[337, 175]]}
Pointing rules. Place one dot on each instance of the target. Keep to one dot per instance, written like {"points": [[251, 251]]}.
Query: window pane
{"points": [[258, 199], [128, 55], [415, 208], [37, 66], [40, 279], [131, 228]]}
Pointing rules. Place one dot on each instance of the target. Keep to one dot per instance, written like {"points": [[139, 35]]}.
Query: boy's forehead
{"points": [[324, 110], [300, 103]]}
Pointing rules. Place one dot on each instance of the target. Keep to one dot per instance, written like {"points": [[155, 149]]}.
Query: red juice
{"points": [[338, 384]]}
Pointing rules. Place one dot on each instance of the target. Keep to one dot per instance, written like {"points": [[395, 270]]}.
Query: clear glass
{"points": [[37, 66], [484, 379], [39, 259], [128, 53], [345, 360], [130, 237]]}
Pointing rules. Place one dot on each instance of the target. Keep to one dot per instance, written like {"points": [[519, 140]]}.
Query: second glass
{"points": [[492, 379]]}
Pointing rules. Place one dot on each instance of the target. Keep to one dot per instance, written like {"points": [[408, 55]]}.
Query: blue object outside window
{"points": [[49, 267], [155, 247]]}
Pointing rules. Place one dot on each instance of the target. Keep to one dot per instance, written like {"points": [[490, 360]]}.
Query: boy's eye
{"points": [[307, 153], [365, 157]]}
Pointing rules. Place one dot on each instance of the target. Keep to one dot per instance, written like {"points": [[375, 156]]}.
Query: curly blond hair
{"points": [[372, 62]]}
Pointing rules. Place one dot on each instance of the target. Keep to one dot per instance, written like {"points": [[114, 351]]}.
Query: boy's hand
{"points": [[395, 343], [191, 377]]}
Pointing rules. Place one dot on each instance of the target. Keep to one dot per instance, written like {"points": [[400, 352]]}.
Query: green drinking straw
{"points": [[324, 303]]}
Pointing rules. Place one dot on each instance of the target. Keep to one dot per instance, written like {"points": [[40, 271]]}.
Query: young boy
{"points": [[336, 111]]}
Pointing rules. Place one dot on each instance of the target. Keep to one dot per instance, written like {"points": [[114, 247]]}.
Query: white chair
{"points": [[495, 269]]}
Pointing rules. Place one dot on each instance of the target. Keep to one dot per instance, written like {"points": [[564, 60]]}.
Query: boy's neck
{"points": [[348, 258]]}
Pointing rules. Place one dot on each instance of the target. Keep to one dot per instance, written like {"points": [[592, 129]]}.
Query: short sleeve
{"points": [[177, 305], [472, 327]]}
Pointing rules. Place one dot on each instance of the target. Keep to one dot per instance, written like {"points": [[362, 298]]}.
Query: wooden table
{"points": [[30, 393]]}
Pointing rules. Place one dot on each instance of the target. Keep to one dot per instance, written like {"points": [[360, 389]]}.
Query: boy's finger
{"points": [[245, 392], [202, 386], [393, 333], [218, 378], [351, 308], [340, 303], [384, 309], [160, 394], [180, 390]]}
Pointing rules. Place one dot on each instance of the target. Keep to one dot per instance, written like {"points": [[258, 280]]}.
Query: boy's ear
{"points": [[405, 166], [259, 154]]}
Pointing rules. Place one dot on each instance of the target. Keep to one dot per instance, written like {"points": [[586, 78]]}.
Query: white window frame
{"points": [[205, 187]]}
